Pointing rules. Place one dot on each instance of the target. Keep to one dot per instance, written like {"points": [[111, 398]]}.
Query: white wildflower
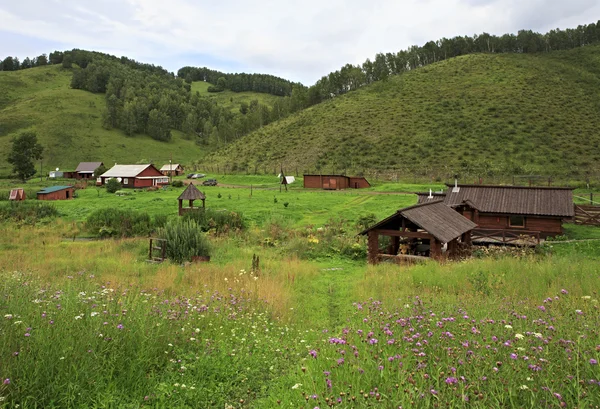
{"points": [[523, 387], [93, 314], [197, 330], [508, 326], [537, 335], [78, 317], [8, 316], [586, 297], [519, 336], [17, 322], [296, 386]]}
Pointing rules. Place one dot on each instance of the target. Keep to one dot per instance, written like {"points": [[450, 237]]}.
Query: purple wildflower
{"points": [[593, 361], [513, 356], [563, 291], [451, 380], [6, 381], [373, 341], [313, 353], [120, 326]]}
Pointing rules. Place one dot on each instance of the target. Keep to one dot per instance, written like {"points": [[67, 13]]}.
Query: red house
{"points": [[135, 176], [56, 193]]}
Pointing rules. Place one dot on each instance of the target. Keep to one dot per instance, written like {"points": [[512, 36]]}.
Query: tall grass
{"points": [[185, 240], [111, 222], [27, 212], [216, 221]]}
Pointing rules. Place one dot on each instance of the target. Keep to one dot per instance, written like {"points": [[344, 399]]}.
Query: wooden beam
{"points": [[411, 234]]}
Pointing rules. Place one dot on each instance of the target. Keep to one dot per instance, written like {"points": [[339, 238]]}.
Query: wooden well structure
{"points": [[428, 230], [191, 193]]}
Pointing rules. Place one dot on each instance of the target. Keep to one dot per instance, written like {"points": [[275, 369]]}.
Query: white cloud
{"points": [[297, 40]]}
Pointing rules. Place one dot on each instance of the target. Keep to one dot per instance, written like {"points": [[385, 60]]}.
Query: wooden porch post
{"points": [[191, 204], [435, 249], [372, 246], [180, 207]]}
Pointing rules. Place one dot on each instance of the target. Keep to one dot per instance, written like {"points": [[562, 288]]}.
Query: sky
{"points": [[297, 40]]}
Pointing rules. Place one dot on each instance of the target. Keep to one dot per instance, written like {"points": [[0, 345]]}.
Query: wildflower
{"points": [[8, 316], [78, 317], [542, 308], [586, 297], [519, 336], [313, 353], [433, 392], [513, 356], [523, 387], [578, 312], [593, 361], [120, 326], [508, 326], [451, 380], [6, 381], [563, 291], [93, 314], [27, 334], [537, 335], [373, 341]]}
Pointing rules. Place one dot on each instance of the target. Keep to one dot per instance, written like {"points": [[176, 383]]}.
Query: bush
{"points": [[185, 240], [177, 183], [220, 222], [28, 211], [112, 222], [113, 185]]}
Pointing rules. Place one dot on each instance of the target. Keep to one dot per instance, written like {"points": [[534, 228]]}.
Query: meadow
{"points": [[89, 323]]}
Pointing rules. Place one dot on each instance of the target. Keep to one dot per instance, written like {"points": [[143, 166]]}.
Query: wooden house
{"points": [[190, 194], [85, 170], [335, 182], [135, 176], [416, 232], [509, 212], [56, 193], [17, 194], [172, 169]]}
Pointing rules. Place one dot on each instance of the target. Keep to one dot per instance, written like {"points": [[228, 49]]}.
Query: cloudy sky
{"points": [[300, 40]]}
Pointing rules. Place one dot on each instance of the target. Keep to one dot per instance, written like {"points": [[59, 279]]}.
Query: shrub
{"points": [[113, 185], [220, 222], [177, 183], [111, 222], [185, 239], [28, 211]]}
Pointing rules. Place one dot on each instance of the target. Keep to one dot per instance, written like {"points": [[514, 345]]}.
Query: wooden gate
{"points": [[587, 214], [157, 251]]}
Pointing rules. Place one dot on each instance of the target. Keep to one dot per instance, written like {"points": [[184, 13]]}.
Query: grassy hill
{"points": [[68, 124], [476, 114], [232, 99]]}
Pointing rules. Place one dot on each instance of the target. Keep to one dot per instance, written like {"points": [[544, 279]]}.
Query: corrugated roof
{"points": [[539, 201], [191, 192], [124, 171], [172, 166], [441, 221], [88, 166], [53, 189]]}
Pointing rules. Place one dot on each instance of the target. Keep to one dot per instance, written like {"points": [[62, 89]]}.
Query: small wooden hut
{"points": [[425, 230], [56, 193], [190, 194], [17, 194]]}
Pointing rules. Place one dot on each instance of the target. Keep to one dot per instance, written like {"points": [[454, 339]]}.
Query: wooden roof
{"points": [[439, 220], [539, 201], [191, 192], [88, 167], [172, 166], [426, 197]]}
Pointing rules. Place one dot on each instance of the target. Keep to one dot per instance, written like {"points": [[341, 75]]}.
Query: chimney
{"points": [[455, 189], [430, 194]]}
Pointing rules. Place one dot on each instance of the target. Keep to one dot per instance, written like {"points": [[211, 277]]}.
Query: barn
{"points": [[172, 169], [56, 193], [135, 176], [509, 211], [424, 230], [335, 182], [85, 170]]}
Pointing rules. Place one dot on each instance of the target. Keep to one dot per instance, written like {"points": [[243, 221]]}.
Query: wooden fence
{"points": [[516, 237], [587, 214]]}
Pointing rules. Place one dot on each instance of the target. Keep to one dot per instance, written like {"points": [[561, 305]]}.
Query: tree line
{"points": [[239, 82], [351, 77]]}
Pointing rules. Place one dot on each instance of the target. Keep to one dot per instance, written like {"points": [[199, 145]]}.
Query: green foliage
{"points": [[185, 239], [25, 150], [177, 183], [365, 221], [113, 185], [217, 221], [110, 222], [100, 170], [28, 211]]}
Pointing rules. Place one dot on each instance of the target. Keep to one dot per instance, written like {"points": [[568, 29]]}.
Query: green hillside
{"points": [[232, 99], [478, 114], [68, 124]]}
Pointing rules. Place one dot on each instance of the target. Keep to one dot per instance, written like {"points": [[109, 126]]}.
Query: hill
{"points": [[477, 114]]}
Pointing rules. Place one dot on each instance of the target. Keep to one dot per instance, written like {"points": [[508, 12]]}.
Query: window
{"points": [[516, 221], [125, 181]]}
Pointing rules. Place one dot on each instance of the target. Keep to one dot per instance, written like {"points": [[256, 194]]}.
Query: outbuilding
{"points": [[172, 169], [335, 182], [190, 194], [56, 193], [424, 230], [85, 170], [135, 176]]}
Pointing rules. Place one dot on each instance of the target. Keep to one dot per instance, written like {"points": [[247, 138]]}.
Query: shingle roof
{"points": [[124, 171], [88, 166], [172, 166], [539, 201], [441, 221], [423, 197], [53, 189], [191, 193]]}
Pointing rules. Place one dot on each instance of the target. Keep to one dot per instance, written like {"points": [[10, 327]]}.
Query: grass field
{"points": [[232, 99], [475, 115]]}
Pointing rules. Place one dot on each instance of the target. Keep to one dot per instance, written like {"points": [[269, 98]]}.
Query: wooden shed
{"points": [[135, 176], [17, 194], [513, 211], [56, 193], [85, 170], [425, 230], [335, 182], [190, 194]]}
